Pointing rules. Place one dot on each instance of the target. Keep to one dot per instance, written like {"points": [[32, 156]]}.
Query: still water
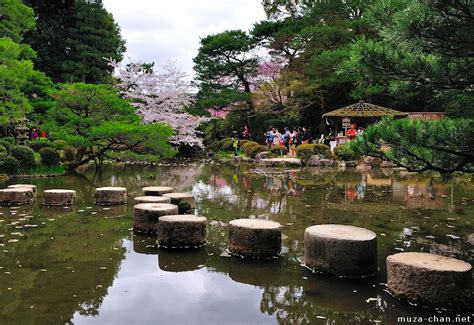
{"points": [[84, 265]]}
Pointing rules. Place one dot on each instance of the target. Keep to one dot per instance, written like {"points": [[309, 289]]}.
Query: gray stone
{"points": [[16, 196], [151, 199], [157, 190], [33, 187], [314, 161], [110, 195], [351, 163], [341, 250], [254, 238], [328, 163], [184, 201], [146, 215], [470, 239], [429, 279], [59, 197], [387, 164], [280, 162], [181, 231], [263, 155]]}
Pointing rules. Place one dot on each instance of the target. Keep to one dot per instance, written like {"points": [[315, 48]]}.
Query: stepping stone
{"points": [[178, 231], [280, 162], [184, 201], [146, 215], [33, 187], [254, 238], [16, 196], [429, 279], [110, 195], [59, 197], [341, 250], [151, 199], [157, 190]]}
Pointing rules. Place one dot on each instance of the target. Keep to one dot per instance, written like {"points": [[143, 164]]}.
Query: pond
{"points": [[84, 265]]}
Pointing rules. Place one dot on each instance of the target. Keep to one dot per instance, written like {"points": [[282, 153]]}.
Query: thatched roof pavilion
{"points": [[364, 110]]}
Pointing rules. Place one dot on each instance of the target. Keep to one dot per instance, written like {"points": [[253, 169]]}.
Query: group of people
{"points": [[289, 139], [34, 134]]}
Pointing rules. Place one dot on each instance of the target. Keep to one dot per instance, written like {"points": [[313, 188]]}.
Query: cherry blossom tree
{"points": [[160, 96]]}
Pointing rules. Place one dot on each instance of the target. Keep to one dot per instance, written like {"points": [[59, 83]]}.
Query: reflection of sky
{"points": [[144, 294]]}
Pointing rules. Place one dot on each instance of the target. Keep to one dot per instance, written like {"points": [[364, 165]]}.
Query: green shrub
{"points": [[59, 144], [69, 153], [25, 155], [247, 146], [253, 151], [343, 152], [278, 150], [3, 151], [305, 151], [10, 140], [322, 149], [49, 157], [226, 144], [37, 145], [6, 144], [9, 165]]}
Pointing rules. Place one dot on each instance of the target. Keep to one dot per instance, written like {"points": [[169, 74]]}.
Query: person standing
{"points": [[246, 132], [269, 137], [33, 134], [286, 139], [306, 135], [235, 145], [276, 137], [292, 143]]}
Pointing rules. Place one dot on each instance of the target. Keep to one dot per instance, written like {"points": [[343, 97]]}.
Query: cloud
{"points": [[161, 30]]}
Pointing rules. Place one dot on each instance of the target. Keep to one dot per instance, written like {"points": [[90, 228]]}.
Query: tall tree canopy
{"points": [[97, 121], [72, 39]]}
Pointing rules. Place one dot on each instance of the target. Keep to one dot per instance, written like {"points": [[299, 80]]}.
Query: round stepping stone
{"points": [[429, 279], [110, 195], [146, 215], [184, 201], [181, 231], [16, 196], [341, 250], [254, 238], [59, 197], [157, 190], [33, 187], [152, 199]]}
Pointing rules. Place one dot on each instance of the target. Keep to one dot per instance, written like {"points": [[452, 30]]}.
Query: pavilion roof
{"points": [[364, 109]]}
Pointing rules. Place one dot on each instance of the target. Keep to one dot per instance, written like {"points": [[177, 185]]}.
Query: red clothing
{"points": [[42, 134], [351, 133]]}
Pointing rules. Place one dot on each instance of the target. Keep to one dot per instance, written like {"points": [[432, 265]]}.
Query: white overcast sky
{"points": [[161, 30]]}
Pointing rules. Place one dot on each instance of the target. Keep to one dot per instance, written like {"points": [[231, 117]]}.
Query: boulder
{"points": [[314, 161], [263, 155], [280, 162], [387, 164], [157, 190]]}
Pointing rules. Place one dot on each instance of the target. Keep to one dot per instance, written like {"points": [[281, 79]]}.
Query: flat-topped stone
{"points": [[341, 232], [280, 162], [341, 250], [110, 195], [184, 201], [254, 238], [157, 190], [146, 215], [178, 231], [430, 279], [33, 187], [59, 197], [17, 196], [151, 199]]}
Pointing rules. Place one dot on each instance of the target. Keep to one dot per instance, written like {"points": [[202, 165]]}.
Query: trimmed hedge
{"points": [[278, 150], [6, 144], [25, 155], [322, 149], [343, 152], [247, 146], [9, 165], [305, 151], [256, 150], [69, 153], [3, 150], [49, 157], [37, 145], [59, 144]]}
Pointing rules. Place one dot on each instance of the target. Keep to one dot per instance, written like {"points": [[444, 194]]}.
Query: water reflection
{"points": [[83, 264]]}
